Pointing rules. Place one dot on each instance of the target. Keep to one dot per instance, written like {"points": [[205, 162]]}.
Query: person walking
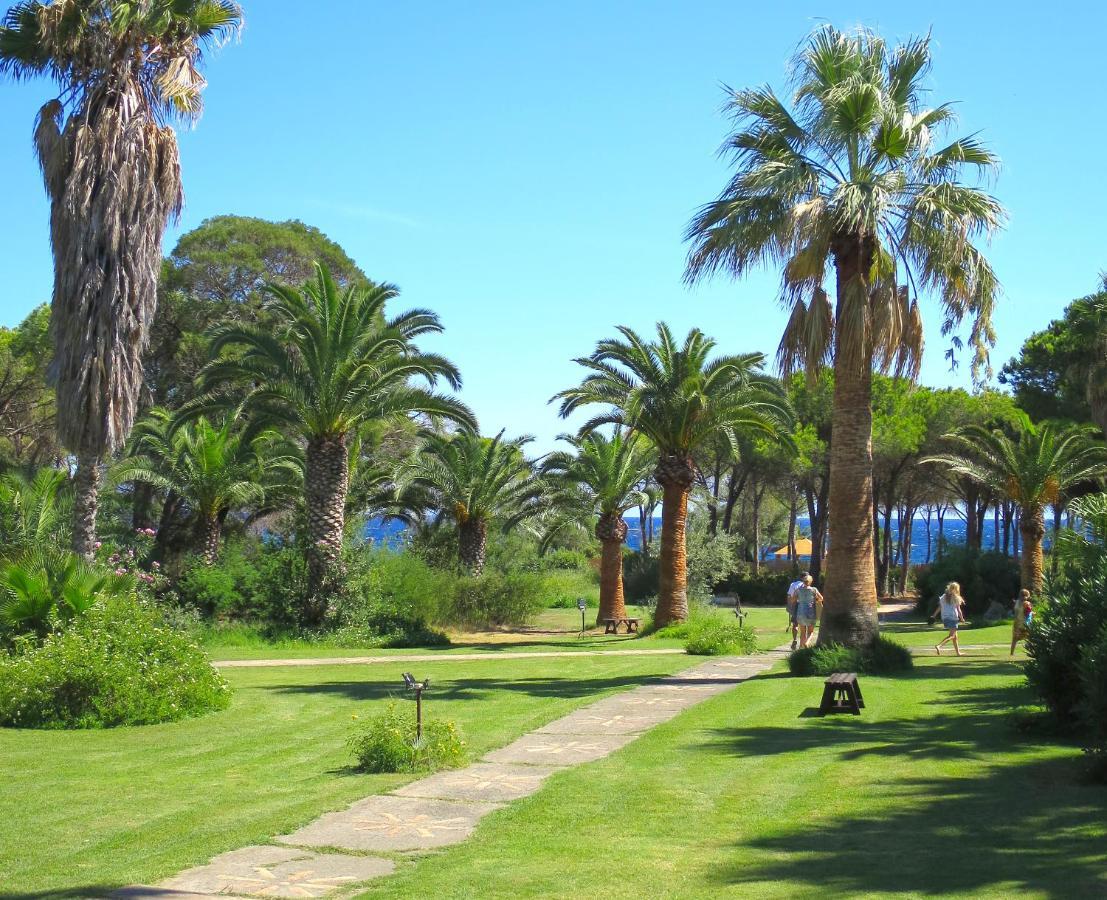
{"points": [[951, 606], [1024, 615], [808, 603], [790, 605]]}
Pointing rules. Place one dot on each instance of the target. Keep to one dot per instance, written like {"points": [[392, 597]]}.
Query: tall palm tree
{"points": [[604, 478], [335, 363], [213, 470], [677, 398], [126, 69], [1034, 470], [853, 182], [475, 481]]}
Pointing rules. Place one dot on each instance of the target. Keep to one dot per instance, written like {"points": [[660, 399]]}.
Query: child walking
{"points": [[1024, 615], [951, 605]]}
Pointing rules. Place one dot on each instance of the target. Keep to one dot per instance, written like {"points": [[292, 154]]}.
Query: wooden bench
{"points": [[611, 626], [842, 693]]}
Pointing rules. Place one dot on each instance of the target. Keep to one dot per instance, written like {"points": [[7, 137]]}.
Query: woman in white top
{"points": [[951, 605]]}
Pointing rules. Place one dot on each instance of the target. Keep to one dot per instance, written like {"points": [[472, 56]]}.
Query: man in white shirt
{"points": [[790, 605]]}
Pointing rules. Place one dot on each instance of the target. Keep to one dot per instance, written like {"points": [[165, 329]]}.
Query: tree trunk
{"points": [[792, 513], [850, 609], [210, 531], [142, 500], [713, 505], [86, 501], [758, 494], [972, 533], [611, 531], [327, 481], [941, 528], [1032, 528], [675, 474], [472, 545]]}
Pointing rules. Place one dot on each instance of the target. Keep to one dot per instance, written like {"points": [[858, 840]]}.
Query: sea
{"points": [[391, 533]]}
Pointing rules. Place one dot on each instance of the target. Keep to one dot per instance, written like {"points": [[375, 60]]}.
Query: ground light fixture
{"points": [[417, 688], [582, 605]]}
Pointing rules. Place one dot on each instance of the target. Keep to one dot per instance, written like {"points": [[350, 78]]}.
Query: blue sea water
{"points": [[390, 533]]}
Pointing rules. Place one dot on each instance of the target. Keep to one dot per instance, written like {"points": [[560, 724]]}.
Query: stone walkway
{"points": [[338, 851]]}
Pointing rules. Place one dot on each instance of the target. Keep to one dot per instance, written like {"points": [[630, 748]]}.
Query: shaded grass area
{"points": [[81, 812], [929, 793], [919, 634]]}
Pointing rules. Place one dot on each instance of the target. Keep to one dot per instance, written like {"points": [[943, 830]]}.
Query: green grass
{"points": [[919, 634], [83, 811], [552, 630], [929, 793]]}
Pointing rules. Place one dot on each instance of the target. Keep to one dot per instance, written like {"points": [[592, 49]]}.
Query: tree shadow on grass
{"points": [[471, 688], [1000, 827], [1011, 827]]}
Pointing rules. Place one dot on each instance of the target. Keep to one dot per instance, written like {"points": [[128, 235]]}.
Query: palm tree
{"points": [[31, 509], [475, 481], [213, 470], [852, 181], [335, 363], [125, 69], [1034, 470], [678, 399], [604, 478]]}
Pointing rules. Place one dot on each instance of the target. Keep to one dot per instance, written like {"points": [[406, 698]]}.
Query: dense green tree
{"points": [[476, 481], [27, 429], [334, 363], [1034, 469], [124, 69], [1061, 371], [852, 182], [678, 398], [603, 478]]}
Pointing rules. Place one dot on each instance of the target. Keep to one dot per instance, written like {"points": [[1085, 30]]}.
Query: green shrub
{"points": [[1093, 703], [117, 664], [769, 588], [713, 636], [984, 577], [640, 576], [882, 657], [493, 599], [390, 600], [562, 588], [386, 743]]}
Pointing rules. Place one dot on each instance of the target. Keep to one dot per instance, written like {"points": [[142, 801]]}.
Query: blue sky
{"points": [[527, 169]]}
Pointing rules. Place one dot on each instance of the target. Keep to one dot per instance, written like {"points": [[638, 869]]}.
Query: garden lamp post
{"points": [[582, 605], [417, 687]]}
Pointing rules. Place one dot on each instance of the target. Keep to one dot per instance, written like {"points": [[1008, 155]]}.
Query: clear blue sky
{"points": [[526, 169]]}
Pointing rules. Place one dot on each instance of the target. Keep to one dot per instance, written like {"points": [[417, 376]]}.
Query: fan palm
{"points": [[125, 70], [335, 363], [1033, 469], [475, 481], [677, 398], [31, 509], [212, 469], [604, 478], [852, 180]]}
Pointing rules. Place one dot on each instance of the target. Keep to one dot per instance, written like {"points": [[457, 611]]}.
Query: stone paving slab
{"points": [[490, 782], [392, 823], [280, 872], [142, 892], [601, 721], [559, 750]]}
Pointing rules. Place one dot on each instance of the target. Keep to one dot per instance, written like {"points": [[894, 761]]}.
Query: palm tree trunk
{"points": [[611, 530], [472, 544], [1032, 529], [210, 532], [86, 501], [327, 481], [675, 474], [849, 611]]}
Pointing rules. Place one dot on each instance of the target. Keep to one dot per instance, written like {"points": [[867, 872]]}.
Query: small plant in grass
{"points": [[386, 743], [713, 636], [882, 657]]}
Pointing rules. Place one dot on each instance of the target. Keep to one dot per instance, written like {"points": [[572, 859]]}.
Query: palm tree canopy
{"points": [[32, 509], [476, 479], [606, 474], [675, 394], [337, 362], [110, 163], [213, 468], [856, 168], [1032, 469]]}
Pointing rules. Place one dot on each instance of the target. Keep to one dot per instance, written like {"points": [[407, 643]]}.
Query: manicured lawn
{"points": [[929, 793], [553, 629], [919, 634], [81, 811]]}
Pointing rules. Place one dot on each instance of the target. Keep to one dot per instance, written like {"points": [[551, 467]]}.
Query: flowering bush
{"points": [[386, 743], [117, 664]]}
